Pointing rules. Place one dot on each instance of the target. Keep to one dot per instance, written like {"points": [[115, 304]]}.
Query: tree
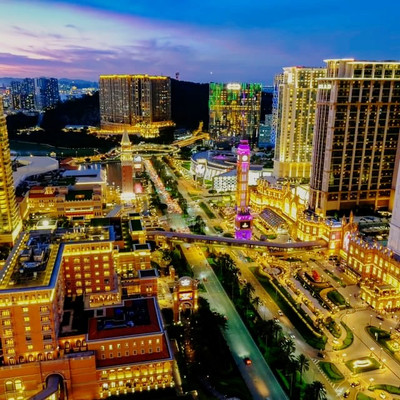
{"points": [[315, 391], [304, 364], [292, 368], [287, 346], [247, 292]]}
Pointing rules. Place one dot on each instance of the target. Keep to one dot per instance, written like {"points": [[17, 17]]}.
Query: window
{"points": [[9, 386]]}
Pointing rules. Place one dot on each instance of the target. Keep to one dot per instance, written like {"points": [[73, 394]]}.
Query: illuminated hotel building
{"points": [[139, 104], [294, 116], [243, 219], [356, 135], [10, 220], [66, 331], [127, 192], [394, 233], [234, 109]]}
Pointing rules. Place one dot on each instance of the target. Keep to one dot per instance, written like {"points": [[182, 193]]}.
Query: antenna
{"points": [[177, 76]]}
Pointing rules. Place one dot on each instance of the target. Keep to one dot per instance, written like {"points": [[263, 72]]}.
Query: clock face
{"points": [[244, 158]]}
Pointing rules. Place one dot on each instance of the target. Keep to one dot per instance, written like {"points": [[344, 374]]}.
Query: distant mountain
{"points": [[79, 83]]}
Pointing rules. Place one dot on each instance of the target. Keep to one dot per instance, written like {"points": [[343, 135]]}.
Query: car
{"points": [[355, 384], [346, 394], [292, 336], [280, 313], [321, 355], [382, 395], [247, 361], [380, 317]]}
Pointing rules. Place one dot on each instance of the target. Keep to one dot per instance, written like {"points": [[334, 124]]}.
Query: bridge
{"points": [[198, 134], [223, 241]]}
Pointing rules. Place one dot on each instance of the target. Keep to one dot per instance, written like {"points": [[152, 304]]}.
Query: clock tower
{"points": [[127, 193], [243, 220]]}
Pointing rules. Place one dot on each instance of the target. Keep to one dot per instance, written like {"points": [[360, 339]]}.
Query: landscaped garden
{"points": [[384, 339], [336, 298], [299, 318], [362, 396], [387, 388], [363, 364], [348, 341], [331, 371]]}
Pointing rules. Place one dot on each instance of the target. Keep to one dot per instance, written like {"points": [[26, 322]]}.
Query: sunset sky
{"points": [[208, 40]]}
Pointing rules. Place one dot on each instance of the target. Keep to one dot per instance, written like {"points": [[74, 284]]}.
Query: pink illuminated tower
{"points": [[243, 220], [127, 193]]}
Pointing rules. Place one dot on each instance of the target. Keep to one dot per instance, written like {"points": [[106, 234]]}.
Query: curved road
{"points": [[258, 376]]}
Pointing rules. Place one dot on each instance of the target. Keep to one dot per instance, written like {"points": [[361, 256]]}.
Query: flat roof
{"points": [[22, 272], [145, 246], [74, 195], [147, 273], [135, 317], [135, 225]]}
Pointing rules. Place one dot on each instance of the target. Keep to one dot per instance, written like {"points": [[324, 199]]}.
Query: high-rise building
{"points": [[234, 109], [265, 138], [243, 220], [127, 192], [10, 220], [294, 112], [46, 93], [135, 103], [394, 233], [34, 94], [356, 135]]}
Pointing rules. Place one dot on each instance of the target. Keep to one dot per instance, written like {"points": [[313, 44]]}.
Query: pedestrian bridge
{"points": [[217, 240]]}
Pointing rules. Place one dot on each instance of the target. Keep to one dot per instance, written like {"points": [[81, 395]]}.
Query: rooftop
{"points": [[74, 195], [135, 317], [32, 264], [148, 273]]}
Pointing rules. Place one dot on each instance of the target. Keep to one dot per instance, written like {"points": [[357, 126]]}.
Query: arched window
{"points": [[18, 384], [9, 386], [40, 357]]}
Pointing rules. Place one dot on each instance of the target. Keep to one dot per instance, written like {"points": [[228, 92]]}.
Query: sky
{"points": [[203, 40]]}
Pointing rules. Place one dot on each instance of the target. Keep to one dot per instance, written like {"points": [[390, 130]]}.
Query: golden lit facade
{"points": [[126, 168], [10, 220], [119, 347], [234, 109], [290, 206], [138, 104], [356, 135], [294, 117], [62, 201]]}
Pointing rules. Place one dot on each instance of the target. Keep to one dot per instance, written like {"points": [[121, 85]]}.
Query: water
{"points": [[26, 149]]}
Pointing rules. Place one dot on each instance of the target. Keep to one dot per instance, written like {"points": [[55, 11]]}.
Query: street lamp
{"points": [[370, 319]]}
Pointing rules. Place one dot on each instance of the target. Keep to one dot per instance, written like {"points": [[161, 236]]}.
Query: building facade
{"points": [[10, 220], [356, 136], [294, 112], [234, 109], [243, 219], [66, 331], [265, 133], [139, 104], [127, 192]]}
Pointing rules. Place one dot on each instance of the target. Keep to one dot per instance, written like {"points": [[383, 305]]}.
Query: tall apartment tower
{"points": [[10, 219], [127, 192], [135, 103], [234, 109], [356, 135], [243, 220], [294, 117], [47, 94]]}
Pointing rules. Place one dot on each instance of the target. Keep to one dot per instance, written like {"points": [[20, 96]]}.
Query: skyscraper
{"points": [[46, 93], [243, 218], [234, 109], [137, 103], [126, 168], [294, 115], [34, 94], [394, 233], [356, 135], [10, 220]]}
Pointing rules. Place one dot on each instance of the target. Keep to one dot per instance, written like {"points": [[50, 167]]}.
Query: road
{"points": [[258, 376]]}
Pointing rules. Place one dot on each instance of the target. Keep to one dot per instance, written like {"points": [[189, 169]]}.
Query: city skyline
{"points": [[204, 42]]}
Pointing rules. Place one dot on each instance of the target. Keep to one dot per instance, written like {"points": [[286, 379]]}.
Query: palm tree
{"points": [[247, 292], [304, 364], [288, 347], [292, 367], [315, 391]]}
